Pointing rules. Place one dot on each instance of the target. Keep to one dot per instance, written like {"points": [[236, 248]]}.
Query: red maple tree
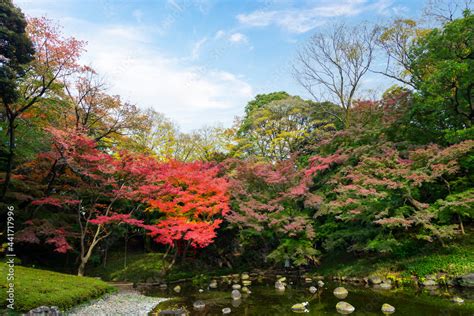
{"points": [[192, 198]]}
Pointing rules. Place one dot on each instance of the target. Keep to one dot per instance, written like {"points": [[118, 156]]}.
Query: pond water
{"points": [[264, 299]]}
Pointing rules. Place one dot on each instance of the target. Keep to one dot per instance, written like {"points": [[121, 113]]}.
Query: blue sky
{"points": [[199, 62]]}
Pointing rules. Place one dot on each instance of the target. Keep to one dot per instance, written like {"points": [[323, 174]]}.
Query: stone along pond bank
{"points": [[260, 294]]}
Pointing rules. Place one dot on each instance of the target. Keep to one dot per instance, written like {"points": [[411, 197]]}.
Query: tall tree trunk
{"points": [[168, 249], [185, 251], [347, 116], [85, 256], [82, 267], [175, 256]]}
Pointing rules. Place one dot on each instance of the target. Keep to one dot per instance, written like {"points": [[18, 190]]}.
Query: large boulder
{"points": [[344, 308], [466, 280]]}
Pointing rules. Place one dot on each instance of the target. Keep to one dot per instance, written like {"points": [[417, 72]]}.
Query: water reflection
{"points": [[266, 300]]}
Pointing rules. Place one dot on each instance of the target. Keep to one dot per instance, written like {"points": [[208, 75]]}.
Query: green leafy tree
{"points": [[281, 127], [16, 50], [442, 65]]}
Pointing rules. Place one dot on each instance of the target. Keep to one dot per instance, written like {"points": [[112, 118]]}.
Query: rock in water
{"points": [[340, 293], [387, 309], [174, 312], [457, 300], [279, 286], [246, 290], [246, 282], [429, 282], [245, 276], [236, 295], [375, 280], [213, 284], [344, 308], [320, 283], [199, 305], [236, 303], [236, 286], [300, 307], [226, 310], [466, 280], [312, 289], [177, 289], [385, 286]]}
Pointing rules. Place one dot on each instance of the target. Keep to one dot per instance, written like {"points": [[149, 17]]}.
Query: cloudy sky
{"points": [[199, 62]]}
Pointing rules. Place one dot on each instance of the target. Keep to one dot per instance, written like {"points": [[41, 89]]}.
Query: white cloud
{"points": [[304, 20], [238, 38], [219, 34], [197, 48], [233, 37], [138, 71]]}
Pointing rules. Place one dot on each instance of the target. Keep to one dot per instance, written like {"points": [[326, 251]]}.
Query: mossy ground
{"points": [[35, 287], [142, 266], [454, 260]]}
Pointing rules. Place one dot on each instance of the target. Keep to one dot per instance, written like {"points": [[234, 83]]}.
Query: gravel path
{"points": [[122, 303]]}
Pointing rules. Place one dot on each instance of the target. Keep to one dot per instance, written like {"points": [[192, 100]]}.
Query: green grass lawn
{"points": [[35, 287], [456, 259], [142, 266]]}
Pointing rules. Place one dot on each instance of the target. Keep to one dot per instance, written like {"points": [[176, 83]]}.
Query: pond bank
{"points": [[250, 294], [37, 287]]}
